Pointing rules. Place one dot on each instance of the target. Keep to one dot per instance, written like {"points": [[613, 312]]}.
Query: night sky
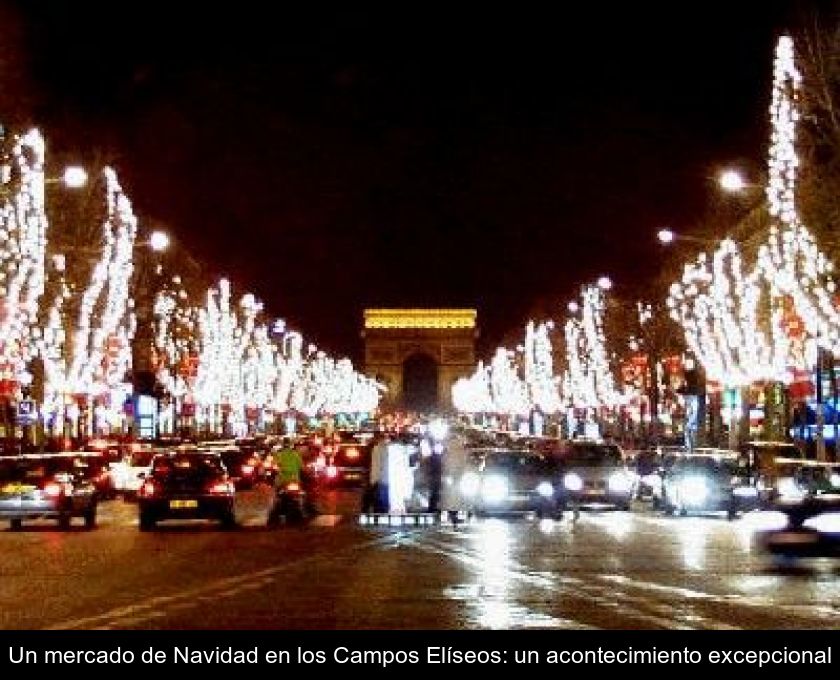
{"points": [[414, 155]]}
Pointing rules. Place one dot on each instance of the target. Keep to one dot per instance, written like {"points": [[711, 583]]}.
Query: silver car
{"points": [[508, 481], [54, 485], [594, 473]]}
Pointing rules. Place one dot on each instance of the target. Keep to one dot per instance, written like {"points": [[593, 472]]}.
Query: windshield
{"points": [[517, 463], [33, 470], [703, 464], [594, 455], [187, 464]]}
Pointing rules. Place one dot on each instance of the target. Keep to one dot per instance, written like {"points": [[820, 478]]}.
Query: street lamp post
{"points": [[149, 271]]}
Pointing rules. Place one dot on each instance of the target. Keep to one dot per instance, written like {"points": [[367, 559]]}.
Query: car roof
{"points": [[51, 456]]}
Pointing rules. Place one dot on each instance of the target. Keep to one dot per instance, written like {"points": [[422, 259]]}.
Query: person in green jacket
{"points": [[289, 463]]}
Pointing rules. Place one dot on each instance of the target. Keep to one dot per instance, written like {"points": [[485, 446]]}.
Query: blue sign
{"points": [[27, 413]]}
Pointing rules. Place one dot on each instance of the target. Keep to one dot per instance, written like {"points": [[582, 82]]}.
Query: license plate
{"points": [[352, 475], [183, 505], [17, 488], [794, 538]]}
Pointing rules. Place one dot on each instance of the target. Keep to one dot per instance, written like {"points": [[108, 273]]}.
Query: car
{"points": [[348, 459], [708, 481], [594, 473], [505, 481], [774, 466], [54, 485], [187, 485], [646, 466], [129, 472], [809, 527], [97, 466], [244, 467]]}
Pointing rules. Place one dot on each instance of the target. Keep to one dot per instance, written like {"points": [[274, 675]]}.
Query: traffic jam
{"points": [[430, 472]]}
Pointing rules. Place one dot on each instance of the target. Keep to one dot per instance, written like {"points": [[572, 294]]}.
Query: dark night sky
{"points": [[409, 156]]}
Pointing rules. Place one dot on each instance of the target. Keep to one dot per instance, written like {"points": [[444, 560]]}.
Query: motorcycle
{"points": [[290, 506]]}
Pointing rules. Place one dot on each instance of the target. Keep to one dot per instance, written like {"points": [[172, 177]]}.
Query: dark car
{"points": [[503, 481], [348, 459], [187, 485], [775, 466], [809, 527], [244, 467], [708, 482], [594, 473], [55, 486], [97, 467]]}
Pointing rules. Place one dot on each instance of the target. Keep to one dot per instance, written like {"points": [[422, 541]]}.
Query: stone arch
{"points": [[420, 378], [393, 337]]}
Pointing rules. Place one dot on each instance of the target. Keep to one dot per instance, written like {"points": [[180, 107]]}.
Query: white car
{"points": [[128, 474]]}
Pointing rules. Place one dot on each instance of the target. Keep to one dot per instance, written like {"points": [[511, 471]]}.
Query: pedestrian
{"points": [[454, 464], [376, 495]]}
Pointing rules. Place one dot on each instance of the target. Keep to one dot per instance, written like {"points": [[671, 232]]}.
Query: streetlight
{"points": [[74, 177], [732, 181], [666, 236], [605, 283], [159, 241], [573, 307]]}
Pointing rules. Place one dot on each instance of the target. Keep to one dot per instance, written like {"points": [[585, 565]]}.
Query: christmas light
{"points": [[23, 241], [86, 344], [588, 381]]}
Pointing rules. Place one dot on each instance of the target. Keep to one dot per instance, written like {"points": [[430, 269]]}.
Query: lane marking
{"points": [[158, 606]]}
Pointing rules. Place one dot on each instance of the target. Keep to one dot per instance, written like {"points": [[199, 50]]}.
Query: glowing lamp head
{"points": [[731, 181], [666, 236], [605, 283], [74, 177], [159, 241]]}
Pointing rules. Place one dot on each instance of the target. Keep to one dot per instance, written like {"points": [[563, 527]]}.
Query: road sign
{"points": [[27, 413]]}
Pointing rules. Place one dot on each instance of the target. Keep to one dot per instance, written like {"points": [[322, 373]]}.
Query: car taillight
{"points": [[148, 489], [292, 486], [247, 469], [53, 489], [332, 471], [104, 475], [221, 488]]}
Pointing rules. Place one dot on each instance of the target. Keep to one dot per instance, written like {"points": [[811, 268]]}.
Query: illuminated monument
{"points": [[419, 353]]}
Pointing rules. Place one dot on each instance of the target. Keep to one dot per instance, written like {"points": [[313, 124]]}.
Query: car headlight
{"points": [[572, 481], [494, 489], [789, 490], [620, 482], [827, 523], [693, 490], [653, 481], [545, 489], [834, 480], [470, 483], [766, 520]]}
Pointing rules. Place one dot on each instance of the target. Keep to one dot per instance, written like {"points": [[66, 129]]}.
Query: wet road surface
{"points": [[607, 570]]}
